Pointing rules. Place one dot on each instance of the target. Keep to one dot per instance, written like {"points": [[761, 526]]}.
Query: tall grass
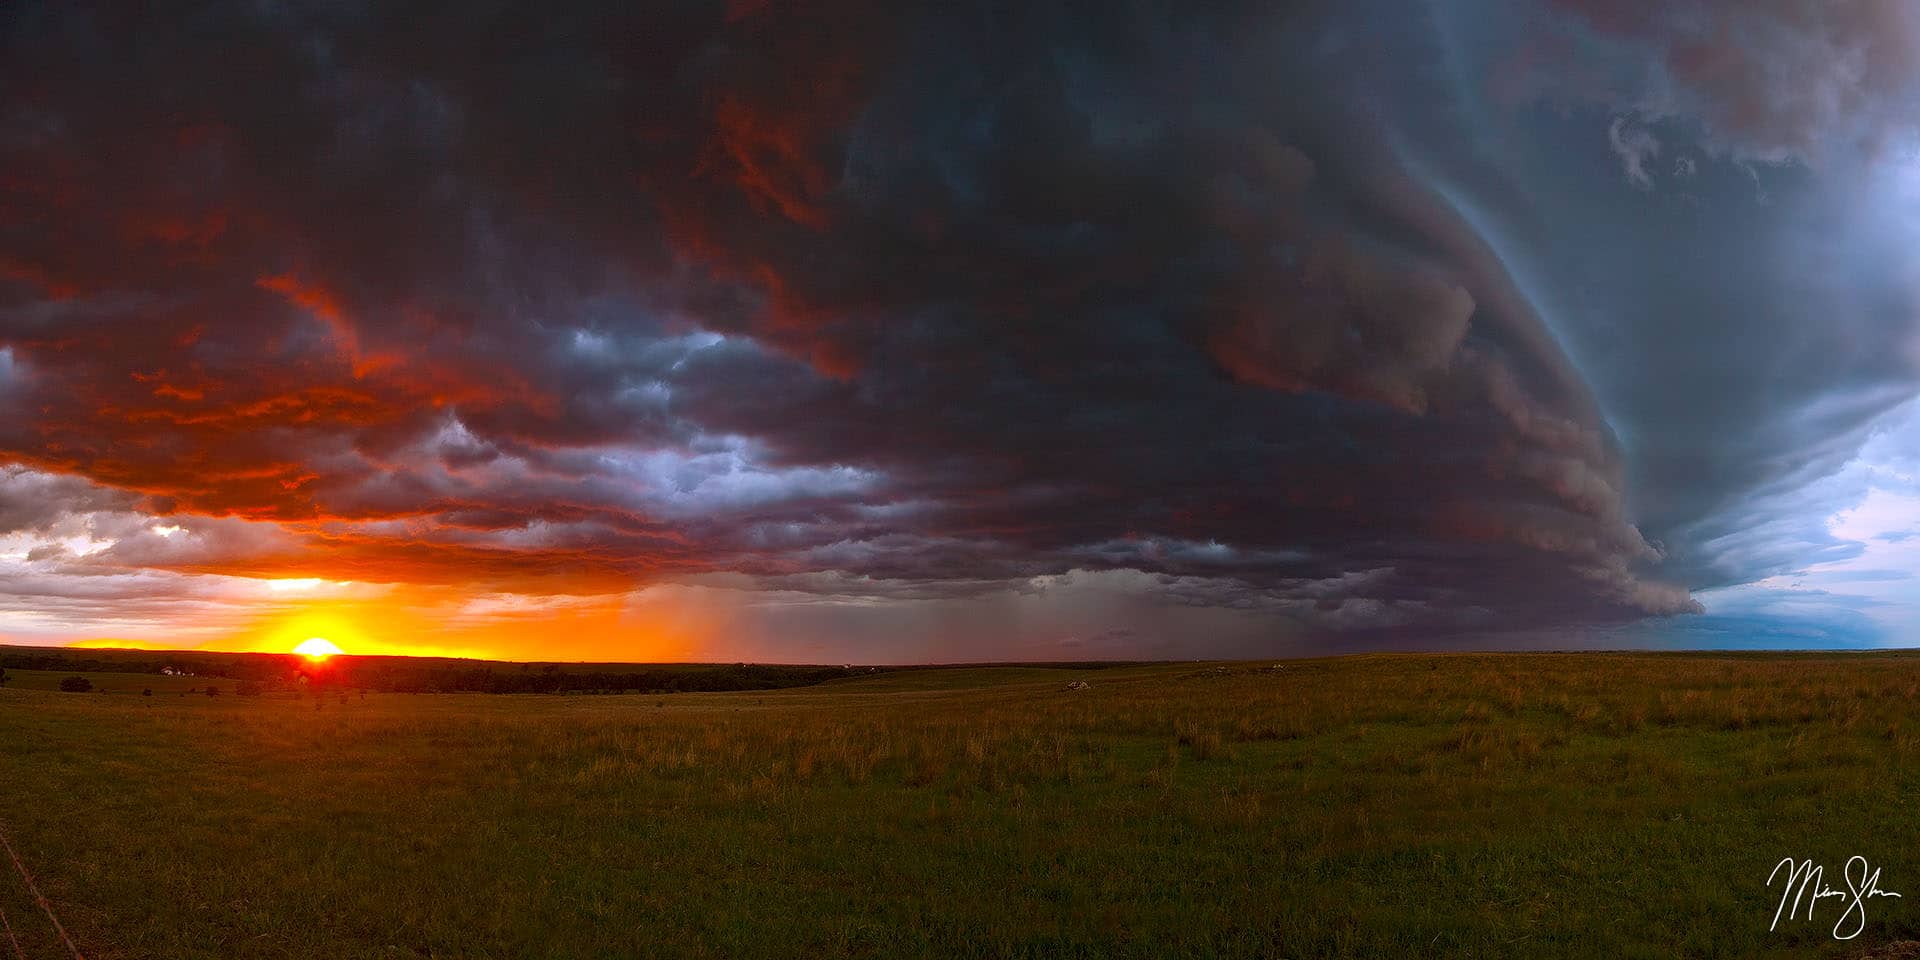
{"points": [[1382, 806]]}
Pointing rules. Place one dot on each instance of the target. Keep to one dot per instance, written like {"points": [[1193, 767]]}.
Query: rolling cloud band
{"points": [[1030, 330]]}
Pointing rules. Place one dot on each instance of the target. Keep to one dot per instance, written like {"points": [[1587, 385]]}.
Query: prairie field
{"points": [[1523, 805]]}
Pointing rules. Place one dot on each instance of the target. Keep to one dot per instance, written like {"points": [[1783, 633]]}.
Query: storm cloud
{"points": [[1363, 322]]}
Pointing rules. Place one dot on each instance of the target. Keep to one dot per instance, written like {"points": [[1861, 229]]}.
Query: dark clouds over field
{"points": [[952, 330]]}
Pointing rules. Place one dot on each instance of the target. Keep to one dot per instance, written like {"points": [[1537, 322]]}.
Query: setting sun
{"points": [[316, 648]]}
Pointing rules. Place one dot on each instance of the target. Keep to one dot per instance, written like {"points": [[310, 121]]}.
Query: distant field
{"points": [[962, 678], [132, 683], [1527, 806]]}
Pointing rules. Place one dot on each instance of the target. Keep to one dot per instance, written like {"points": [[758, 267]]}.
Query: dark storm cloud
{"points": [[1712, 203], [1309, 308]]}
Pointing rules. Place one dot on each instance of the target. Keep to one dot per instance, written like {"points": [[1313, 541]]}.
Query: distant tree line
{"points": [[108, 661], [255, 672], [553, 679]]}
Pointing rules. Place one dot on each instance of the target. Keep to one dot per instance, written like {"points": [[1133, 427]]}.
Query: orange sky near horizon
{"points": [[405, 620]]}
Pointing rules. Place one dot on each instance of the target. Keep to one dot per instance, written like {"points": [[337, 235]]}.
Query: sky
{"points": [[846, 331]]}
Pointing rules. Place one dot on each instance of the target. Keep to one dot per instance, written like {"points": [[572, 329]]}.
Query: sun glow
{"points": [[316, 648], [296, 584], [375, 620]]}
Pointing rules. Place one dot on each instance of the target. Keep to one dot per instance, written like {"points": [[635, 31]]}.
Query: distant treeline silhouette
{"points": [[432, 675], [552, 679], [445, 675]]}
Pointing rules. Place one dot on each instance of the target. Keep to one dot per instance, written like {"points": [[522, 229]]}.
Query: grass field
{"points": [[1589, 805], [134, 683]]}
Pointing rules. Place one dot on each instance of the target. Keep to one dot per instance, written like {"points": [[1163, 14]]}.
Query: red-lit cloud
{"points": [[855, 303]]}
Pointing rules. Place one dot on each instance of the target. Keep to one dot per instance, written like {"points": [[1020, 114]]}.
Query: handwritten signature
{"points": [[1806, 884]]}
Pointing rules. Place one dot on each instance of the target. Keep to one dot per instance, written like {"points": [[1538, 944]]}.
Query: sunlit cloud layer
{"points": [[854, 331]]}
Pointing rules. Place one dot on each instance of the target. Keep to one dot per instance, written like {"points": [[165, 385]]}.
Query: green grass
{"points": [[1616, 806]]}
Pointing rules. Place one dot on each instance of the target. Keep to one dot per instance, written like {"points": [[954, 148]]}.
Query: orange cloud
{"points": [[325, 306]]}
